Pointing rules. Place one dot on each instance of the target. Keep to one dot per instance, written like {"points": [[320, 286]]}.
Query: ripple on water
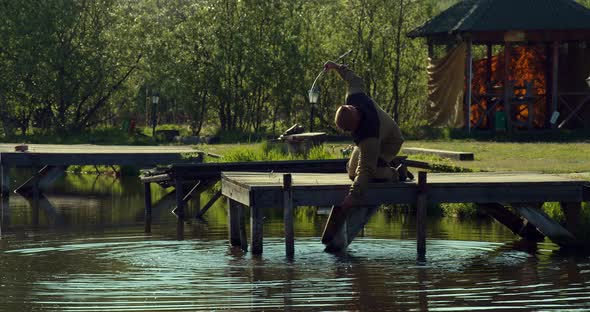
{"points": [[137, 273]]}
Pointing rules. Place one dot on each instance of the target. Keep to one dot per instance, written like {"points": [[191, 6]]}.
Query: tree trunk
{"points": [[398, 48]]}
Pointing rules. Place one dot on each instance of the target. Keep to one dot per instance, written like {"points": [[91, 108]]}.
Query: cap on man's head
{"points": [[346, 118]]}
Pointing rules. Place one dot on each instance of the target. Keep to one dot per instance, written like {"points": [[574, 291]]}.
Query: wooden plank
{"points": [[329, 189], [20, 159], [4, 179], [155, 178], [148, 208], [93, 148], [213, 170], [233, 216], [354, 223], [513, 222], [263, 190], [179, 211], [288, 216], [441, 153], [256, 229], [236, 191], [243, 236], [42, 179], [357, 220], [421, 205], [208, 205], [334, 235], [254, 180], [545, 224]]}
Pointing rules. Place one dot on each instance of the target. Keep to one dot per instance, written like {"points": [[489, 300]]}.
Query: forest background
{"points": [[218, 66]]}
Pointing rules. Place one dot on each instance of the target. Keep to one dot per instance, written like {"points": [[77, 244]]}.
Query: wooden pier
{"points": [[524, 193], [49, 161], [190, 180]]}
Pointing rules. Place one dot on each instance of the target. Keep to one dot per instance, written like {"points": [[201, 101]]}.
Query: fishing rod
{"points": [[313, 92]]}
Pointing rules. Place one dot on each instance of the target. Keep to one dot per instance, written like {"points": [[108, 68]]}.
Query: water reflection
{"points": [[89, 253]]}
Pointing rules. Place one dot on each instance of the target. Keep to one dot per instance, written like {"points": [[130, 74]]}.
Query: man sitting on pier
{"points": [[378, 140]]}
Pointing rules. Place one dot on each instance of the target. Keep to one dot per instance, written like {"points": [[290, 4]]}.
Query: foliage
{"points": [[239, 66]]}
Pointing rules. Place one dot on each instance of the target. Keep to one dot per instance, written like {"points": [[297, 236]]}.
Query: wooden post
{"points": [[3, 202], [36, 193], [508, 92], [148, 207], [468, 85], [197, 202], [4, 194], [554, 79], [208, 205], [5, 173], [288, 216], [552, 229], [256, 229], [179, 186], [571, 211], [513, 222], [233, 216], [243, 236], [421, 203], [490, 88]]}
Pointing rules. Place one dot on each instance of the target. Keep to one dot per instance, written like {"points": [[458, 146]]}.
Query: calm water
{"points": [[85, 251]]}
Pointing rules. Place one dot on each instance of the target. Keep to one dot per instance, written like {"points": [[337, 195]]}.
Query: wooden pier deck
{"points": [[89, 154], [495, 191], [189, 180], [49, 161]]}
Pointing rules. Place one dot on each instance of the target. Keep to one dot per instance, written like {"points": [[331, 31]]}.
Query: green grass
{"points": [[506, 156], [268, 151]]}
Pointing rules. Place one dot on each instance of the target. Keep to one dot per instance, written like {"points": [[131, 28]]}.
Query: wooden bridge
{"points": [[493, 192]]}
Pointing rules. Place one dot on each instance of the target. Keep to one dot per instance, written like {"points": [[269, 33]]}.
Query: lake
{"points": [[84, 249]]}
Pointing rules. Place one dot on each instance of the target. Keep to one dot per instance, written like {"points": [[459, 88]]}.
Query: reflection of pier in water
{"points": [[385, 276]]}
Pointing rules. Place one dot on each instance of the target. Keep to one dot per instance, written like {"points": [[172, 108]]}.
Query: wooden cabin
{"points": [[509, 65]]}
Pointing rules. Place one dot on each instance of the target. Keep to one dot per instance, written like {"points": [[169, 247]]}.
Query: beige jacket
{"points": [[383, 142]]}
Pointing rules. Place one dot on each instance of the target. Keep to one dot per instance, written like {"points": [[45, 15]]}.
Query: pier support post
{"points": [[148, 207], [571, 211], [516, 224], [288, 216], [179, 186], [208, 205], [421, 203], [243, 236], [256, 220], [5, 173], [233, 216], [35, 190], [4, 194]]}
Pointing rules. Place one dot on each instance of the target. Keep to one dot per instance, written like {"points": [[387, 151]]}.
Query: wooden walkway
{"points": [[494, 191], [49, 161], [442, 153], [190, 180]]}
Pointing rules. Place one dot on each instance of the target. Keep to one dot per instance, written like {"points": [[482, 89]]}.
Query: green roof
{"points": [[470, 16]]}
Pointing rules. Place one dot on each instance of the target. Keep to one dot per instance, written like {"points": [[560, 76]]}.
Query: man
{"points": [[376, 135]]}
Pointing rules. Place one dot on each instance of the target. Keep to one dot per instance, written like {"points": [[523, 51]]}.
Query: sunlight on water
{"points": [[91, 255], [152, 273]]}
